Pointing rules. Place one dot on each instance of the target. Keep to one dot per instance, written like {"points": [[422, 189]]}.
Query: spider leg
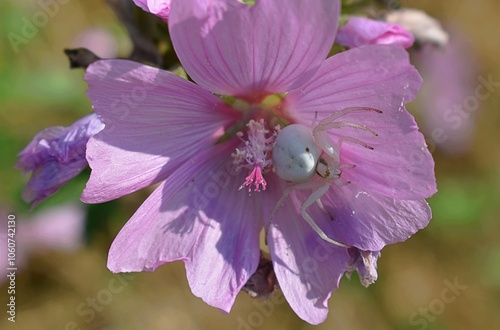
{"points": [[315, 118], [352, 140], [286, 193], [322, 207], [326, 143], [341, 113], [341, 183], [315, 196], [339, 124]]}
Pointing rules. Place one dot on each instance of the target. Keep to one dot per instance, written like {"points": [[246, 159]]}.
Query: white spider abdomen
{"points": [[296, 153]]}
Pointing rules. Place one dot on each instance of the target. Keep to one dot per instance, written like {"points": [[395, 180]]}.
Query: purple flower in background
{"points": [[360, 31], [55, 156], [56, 229], [447, 114], [203, 149], [99, 40], [160, 8]]}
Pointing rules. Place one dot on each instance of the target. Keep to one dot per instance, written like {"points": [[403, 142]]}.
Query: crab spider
{"points": [[299, 154]]}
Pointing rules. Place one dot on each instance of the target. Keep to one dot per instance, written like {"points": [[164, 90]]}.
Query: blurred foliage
{"points": [[38, 90]]}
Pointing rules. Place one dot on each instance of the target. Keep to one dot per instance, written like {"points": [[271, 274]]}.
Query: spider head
{"points": [[327, 170]]}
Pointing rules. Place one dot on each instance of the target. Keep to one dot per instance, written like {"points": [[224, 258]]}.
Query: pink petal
{"points": [[308, 269], [367, 220], [235, 49], [377, 76], [400, 166], [160, 8], [380, 77], [360, 31], [155, 121], [197, 215]]}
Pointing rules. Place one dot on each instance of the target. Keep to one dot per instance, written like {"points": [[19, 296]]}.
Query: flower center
{"points": [[255, 154], [262, 117]]}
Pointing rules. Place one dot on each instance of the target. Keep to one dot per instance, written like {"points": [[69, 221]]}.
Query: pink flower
{"points": [[99, 40], [360, 31], [160, 8], [269, 61], [448, 116], [425, 28], [55, 156], [56, 229]]}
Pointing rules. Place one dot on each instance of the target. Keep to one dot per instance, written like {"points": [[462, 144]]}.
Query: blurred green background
{"points": [[461, 244]]}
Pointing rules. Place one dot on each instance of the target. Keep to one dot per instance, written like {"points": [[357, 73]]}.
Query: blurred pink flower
{"points": [[160, 8], [99, 40], [56, 229], [55, 156], [164, 129], [448, 102], [360, 31]]}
